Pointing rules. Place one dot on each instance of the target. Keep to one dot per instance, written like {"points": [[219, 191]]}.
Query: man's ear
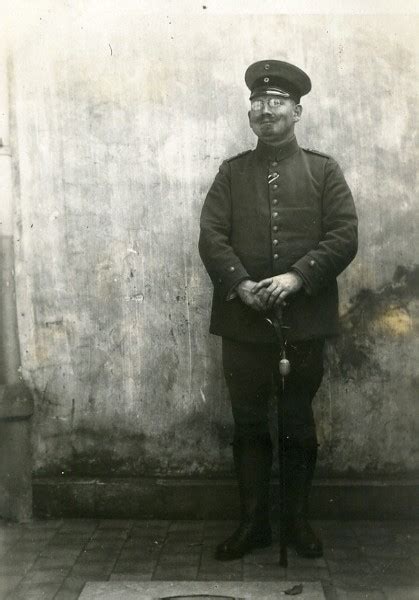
{"points": [[298, 111]]}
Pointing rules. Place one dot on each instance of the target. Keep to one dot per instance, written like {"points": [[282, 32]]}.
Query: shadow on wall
{"points": [[386, 312]]}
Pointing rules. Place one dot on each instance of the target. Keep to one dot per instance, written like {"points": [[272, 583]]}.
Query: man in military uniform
{"points": [[277, 227]]}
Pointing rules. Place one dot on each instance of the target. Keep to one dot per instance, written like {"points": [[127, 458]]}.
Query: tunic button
{"points": [[232, 269], [275, 214], [274, 174], [312, 263], [275, 227], [275, 186], [274, 163], [275, 201], [276, 256], [275, 242]]}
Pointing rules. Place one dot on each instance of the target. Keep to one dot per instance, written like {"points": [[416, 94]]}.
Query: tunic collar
{"points": [[276, 153]]}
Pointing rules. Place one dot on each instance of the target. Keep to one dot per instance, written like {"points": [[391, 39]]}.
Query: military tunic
{"points": [[269, 211]]}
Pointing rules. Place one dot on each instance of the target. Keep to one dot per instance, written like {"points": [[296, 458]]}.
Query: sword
{"points": [[276, 320]]}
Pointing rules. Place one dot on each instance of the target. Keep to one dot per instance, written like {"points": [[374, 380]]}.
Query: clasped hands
{"points": [[269, 293]]}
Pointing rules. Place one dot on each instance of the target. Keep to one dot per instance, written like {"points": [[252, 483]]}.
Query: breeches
{"points": [[251, 371]]}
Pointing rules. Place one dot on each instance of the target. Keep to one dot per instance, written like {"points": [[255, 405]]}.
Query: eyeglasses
{"points": [[258, 104]]}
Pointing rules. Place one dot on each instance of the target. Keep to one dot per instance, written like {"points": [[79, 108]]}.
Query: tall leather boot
{"points": [[253, 462], [298, 463]]}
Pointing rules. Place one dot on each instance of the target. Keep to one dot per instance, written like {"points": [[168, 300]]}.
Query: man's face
{"points": [[272, 118]]}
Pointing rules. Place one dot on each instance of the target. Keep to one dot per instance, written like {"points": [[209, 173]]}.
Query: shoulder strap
{"points": [[312, 151]]}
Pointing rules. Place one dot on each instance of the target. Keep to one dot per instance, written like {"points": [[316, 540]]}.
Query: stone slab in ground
{"points": [[199, 590]]}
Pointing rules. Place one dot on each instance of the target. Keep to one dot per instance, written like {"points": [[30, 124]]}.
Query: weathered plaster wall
{"points": [[120, 121]]}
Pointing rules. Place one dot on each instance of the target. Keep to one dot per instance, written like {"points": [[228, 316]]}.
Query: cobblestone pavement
{"points": [[53, 559]]}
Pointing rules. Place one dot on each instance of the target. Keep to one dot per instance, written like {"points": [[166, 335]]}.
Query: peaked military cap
{"points": [[277, 77]]}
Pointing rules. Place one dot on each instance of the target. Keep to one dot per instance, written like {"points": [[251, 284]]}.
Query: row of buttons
{"points": [[274, 186]]}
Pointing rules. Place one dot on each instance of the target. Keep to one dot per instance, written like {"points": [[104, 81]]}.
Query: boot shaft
{"points": [[253, 463]]}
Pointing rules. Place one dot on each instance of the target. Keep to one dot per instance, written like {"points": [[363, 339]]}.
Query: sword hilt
{"points": [[276, 320]]}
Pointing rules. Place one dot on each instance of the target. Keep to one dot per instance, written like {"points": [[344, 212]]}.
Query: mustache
{"points": [[265, 119]]}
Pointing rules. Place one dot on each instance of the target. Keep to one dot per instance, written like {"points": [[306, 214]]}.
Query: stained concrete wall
{"points": [[120, 120]]}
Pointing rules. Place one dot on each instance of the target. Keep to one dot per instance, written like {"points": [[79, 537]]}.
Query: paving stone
{"points": [[45, 576], [94, 556], [26, 543], [71, 553], [115, 524], [152, 523], [184, 537], [374, 533], [53, 562], [79, 525], [263, 572], [392, 565], [266, 556], [211, 569], [181, 546], [141, 550], [66, 595], [97, 569], [110, 533], [333, 526], [370, 581], [36, 591], [401, 593], [369, 525], [8, 583], [346, 553], [180, 560], [296, 561], [9, 536], [339, 541], [359, 567], [359, 594], [155, 530], [10, 566], [190, 554], [18, 554], [75, 544], [6, 547], [329, 590], [186, 526], [157, 536], [220, 575], [110, 547], [138, 553], [70, 536], [175, 573], [74, 583], [306, 574], [130, 577], [408, 540], [133, 567], [377, 541], [44, 524], [387, 550]]}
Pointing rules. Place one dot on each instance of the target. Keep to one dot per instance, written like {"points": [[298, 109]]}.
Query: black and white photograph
{"points": [[209, 300]]}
